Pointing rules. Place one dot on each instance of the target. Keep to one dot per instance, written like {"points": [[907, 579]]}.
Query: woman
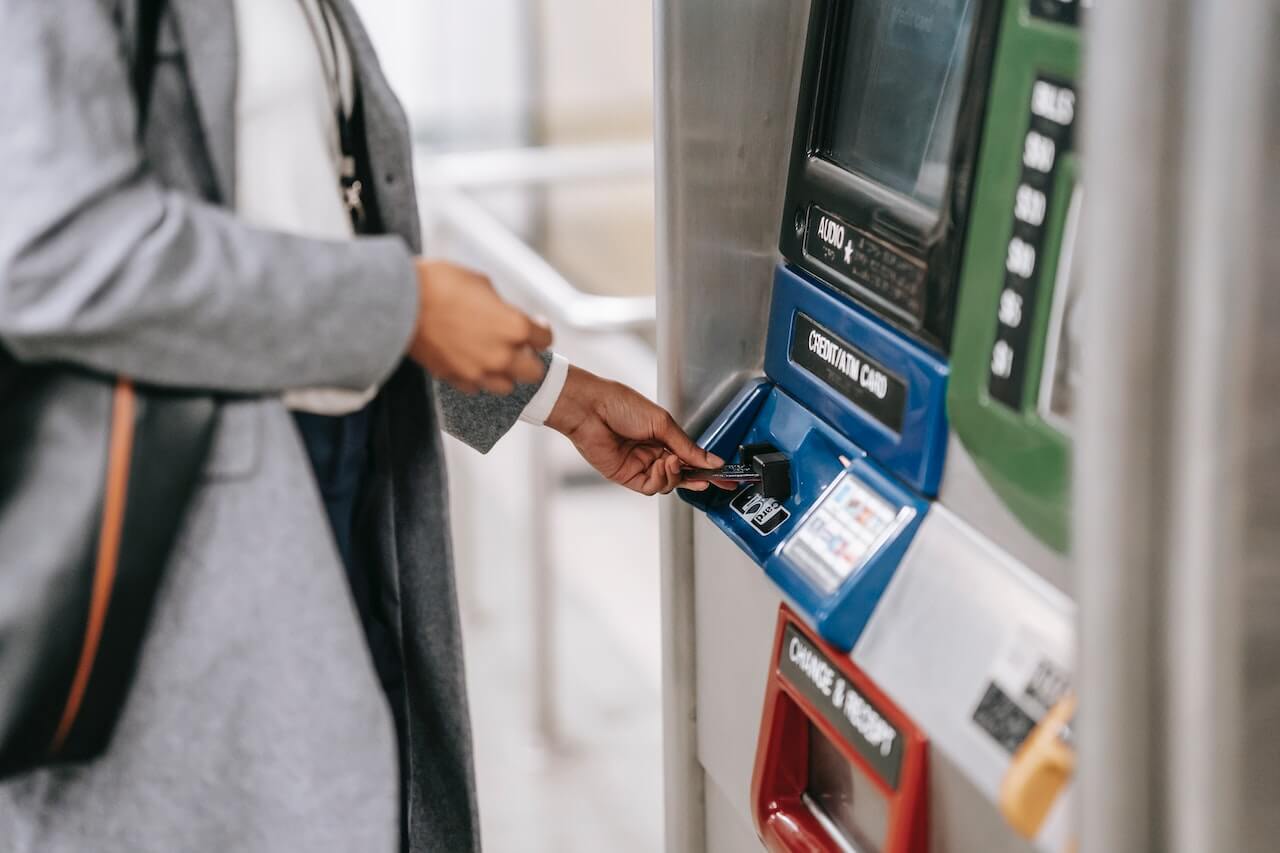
{"points": [[261, 240]]}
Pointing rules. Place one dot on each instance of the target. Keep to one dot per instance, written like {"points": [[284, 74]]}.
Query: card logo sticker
{"points": [[764, 514]]}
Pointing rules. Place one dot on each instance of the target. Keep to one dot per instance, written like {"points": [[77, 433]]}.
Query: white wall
{"points": [[458, 65]]}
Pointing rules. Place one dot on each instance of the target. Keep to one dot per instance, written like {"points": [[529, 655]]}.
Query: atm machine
{"points": [[869, 215]]}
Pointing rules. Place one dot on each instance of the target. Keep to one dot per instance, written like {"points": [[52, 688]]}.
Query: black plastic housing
{"points": [[926, 247]]}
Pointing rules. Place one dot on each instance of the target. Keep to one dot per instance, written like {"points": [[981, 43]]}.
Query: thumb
{"points": [[679, 443]]}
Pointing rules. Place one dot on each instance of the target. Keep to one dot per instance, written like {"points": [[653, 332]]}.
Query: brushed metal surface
{"points": [[737, 608], [1176, 501], [1133, 84], [1213, 570], [1261, 762], [961, 819], [966, 492], [728, 78], [727, 73], [726, 833]]}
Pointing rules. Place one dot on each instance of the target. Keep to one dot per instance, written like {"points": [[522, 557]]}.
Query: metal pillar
{"points": [[1177, 106], [726, 78]]}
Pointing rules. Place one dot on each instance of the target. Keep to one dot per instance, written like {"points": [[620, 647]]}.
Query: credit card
{"points": [[730, 473]]}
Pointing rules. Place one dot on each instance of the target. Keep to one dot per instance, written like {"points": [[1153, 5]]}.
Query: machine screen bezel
{"points": [[916, 233]]}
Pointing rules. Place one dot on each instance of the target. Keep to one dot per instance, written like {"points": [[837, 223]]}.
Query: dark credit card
{"points": [[731, 473]]}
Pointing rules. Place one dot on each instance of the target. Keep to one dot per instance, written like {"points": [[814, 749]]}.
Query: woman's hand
{"points": [[630, 440], [468, 336]]}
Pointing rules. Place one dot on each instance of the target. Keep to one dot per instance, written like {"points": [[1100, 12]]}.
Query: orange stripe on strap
{"points": [[119, 456]]}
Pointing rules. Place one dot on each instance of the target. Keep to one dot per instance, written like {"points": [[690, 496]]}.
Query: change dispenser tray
{"points": [[838, 766], [833, 545]]}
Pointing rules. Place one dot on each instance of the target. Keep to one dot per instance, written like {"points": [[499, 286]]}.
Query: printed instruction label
{"points": [[886, 271], [848, 526], [856, 717], [1030, 676], [857, 377]]}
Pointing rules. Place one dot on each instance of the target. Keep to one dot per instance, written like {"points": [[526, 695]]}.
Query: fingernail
{"points": [[715, 460]]}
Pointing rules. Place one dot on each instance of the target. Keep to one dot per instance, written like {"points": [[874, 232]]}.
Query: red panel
{"points": [[785, 823]]}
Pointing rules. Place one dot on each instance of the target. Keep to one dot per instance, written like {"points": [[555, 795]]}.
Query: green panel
{"points": [[1025, 459]]}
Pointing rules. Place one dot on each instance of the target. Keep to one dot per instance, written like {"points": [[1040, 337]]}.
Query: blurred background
{"points": [[533, 120]]}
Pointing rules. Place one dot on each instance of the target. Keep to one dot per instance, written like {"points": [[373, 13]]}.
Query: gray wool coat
{"points": [[256, 722]]}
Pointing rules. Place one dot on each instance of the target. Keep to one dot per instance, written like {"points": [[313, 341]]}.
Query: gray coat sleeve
{"points": [[103, 267], [480, 420]]}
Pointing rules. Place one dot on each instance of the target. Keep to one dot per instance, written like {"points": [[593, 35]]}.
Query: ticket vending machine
{"points": [[869, 218], [860, 313]]}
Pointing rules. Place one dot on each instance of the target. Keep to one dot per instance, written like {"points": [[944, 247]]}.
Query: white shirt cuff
{"points": [[538, 409]]}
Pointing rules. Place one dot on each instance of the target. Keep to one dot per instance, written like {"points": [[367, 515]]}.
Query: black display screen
{"points": [[894, 90]]}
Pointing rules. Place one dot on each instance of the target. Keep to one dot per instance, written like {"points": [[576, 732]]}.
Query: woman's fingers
{"points": [[670, 434], [527, 366]]}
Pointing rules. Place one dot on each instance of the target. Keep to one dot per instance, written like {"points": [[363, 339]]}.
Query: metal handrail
{"points": [[506, 256], [443, 178], [550, 164], [442, 183]]}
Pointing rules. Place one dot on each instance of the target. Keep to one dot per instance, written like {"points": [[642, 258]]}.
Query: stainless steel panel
{"points": [[961, 818], [736, 612], [1133, 84], [1213, 571], [966, 493], [727, 74], [726, 832], [1261, 762], [1177, 457]]}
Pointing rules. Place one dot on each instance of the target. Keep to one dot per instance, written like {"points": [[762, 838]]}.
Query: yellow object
{"points": [[1040, 769]]}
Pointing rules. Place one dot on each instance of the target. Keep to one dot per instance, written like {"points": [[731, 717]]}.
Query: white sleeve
{"points": [[539, 407]]}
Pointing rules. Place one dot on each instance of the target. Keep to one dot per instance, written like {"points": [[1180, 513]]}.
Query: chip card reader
{"points": [[835, 533], [844, 438], [773, 468]]}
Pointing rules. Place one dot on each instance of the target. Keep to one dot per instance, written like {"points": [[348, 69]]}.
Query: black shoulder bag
{"points": [[95, 478]]}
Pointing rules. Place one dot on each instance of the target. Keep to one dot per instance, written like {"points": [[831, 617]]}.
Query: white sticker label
{"points": [[847, 527], [764, 514], [1031, 674]]}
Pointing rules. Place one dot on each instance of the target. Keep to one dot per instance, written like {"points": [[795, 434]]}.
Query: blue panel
{"points": [[726, 431], [725, 435], [916, 450], [840, 616], [819, 455], [813, 447]]}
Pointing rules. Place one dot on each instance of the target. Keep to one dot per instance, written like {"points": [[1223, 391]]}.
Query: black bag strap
{"points": [[146, 34]]}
